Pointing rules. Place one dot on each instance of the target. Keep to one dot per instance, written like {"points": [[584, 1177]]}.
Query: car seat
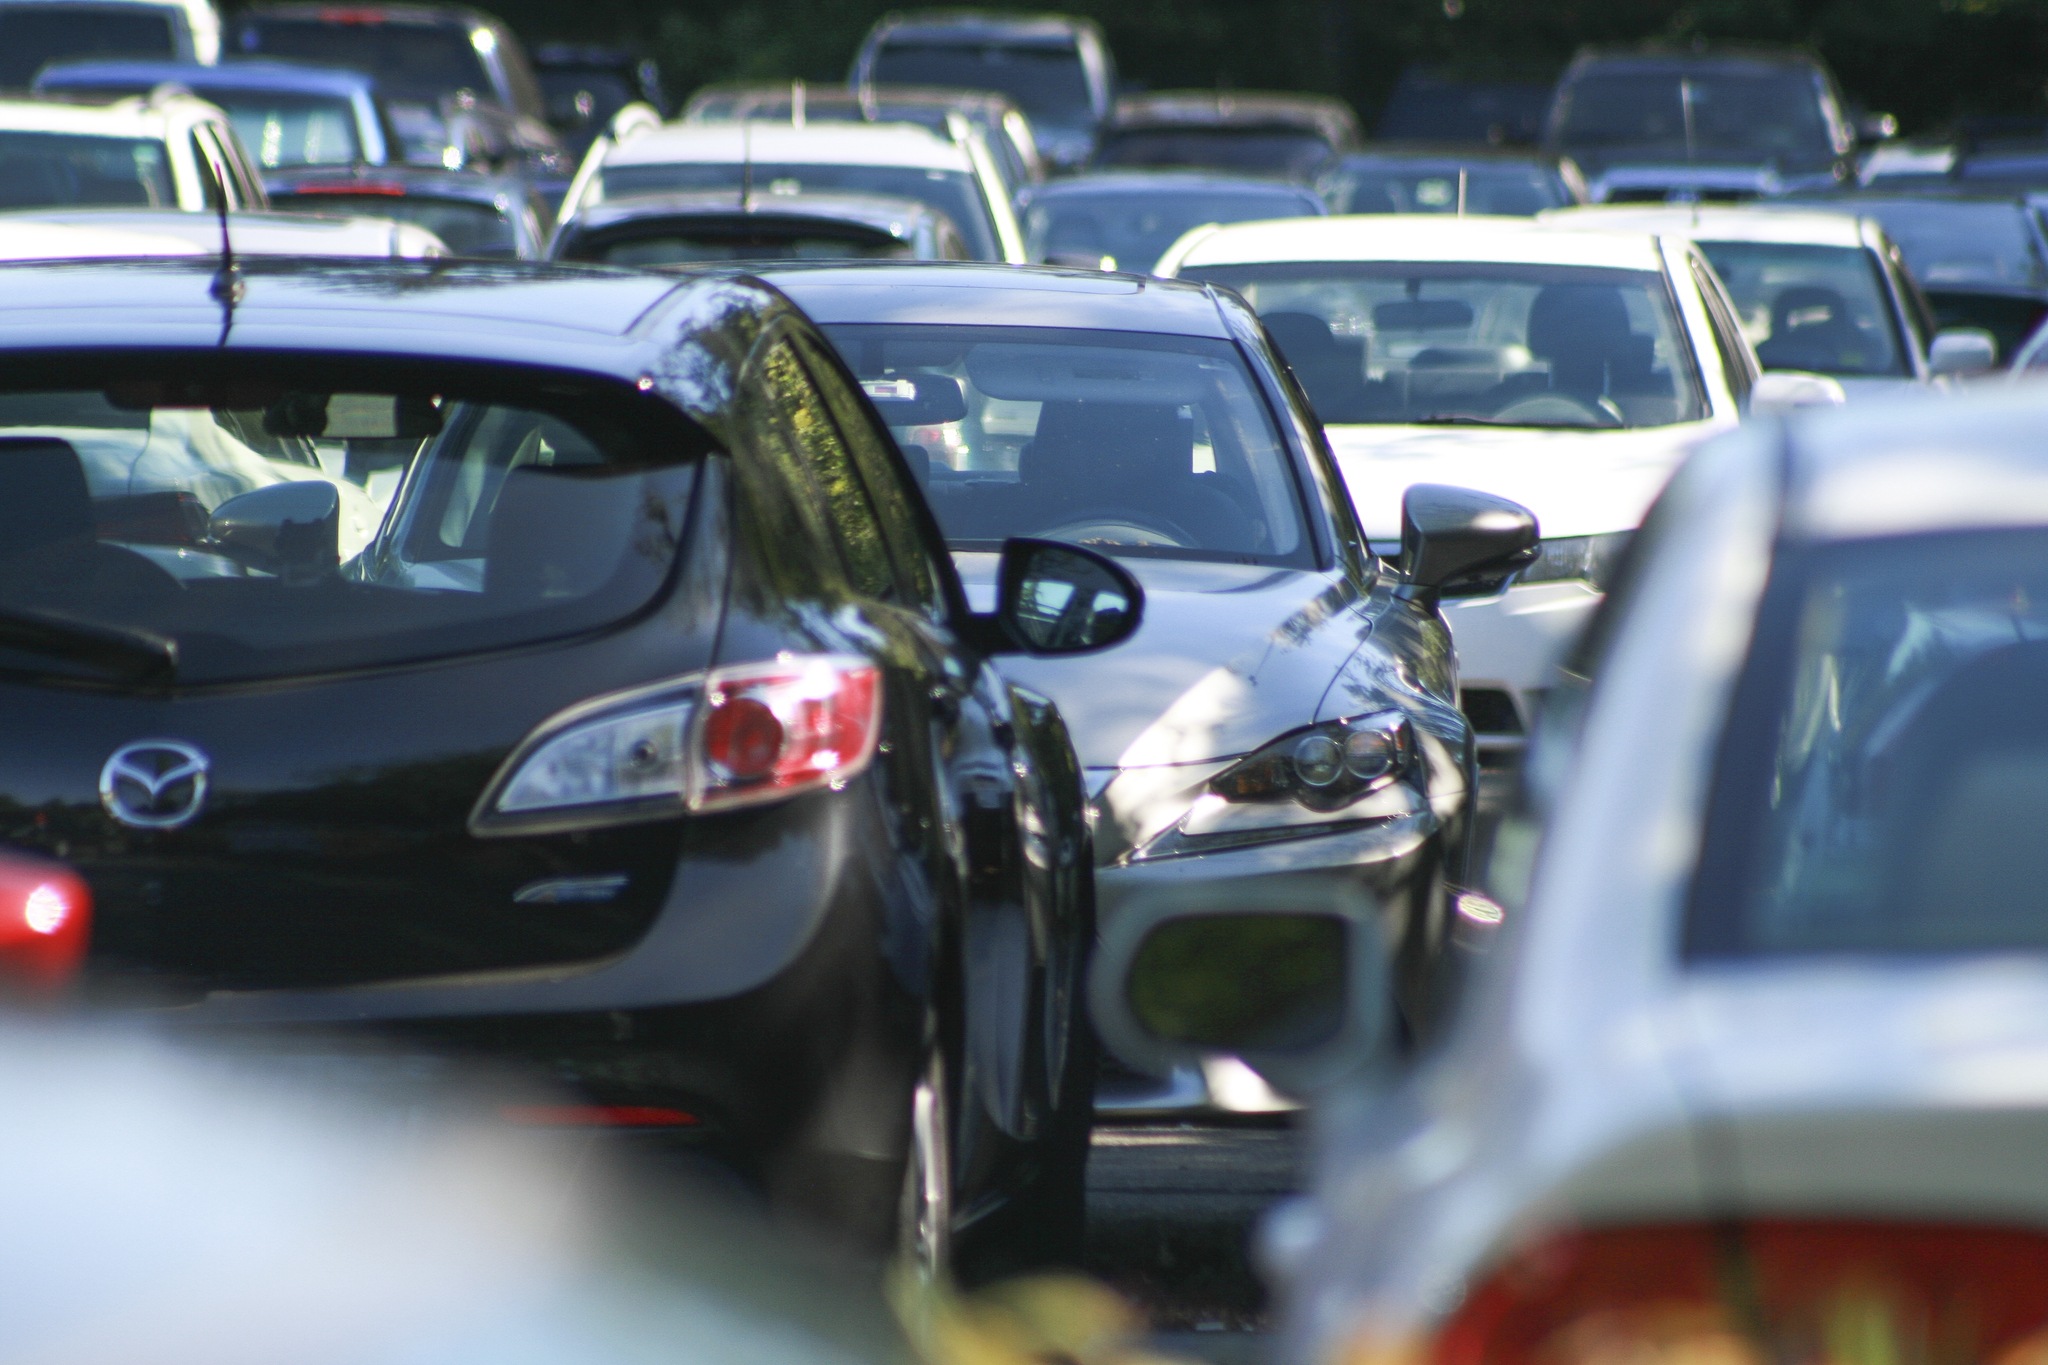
{"points": [[1811, 330], [49, 537], [560, 532], [32, 182], [1582, 332], [1330, 367], [1089, 457]]}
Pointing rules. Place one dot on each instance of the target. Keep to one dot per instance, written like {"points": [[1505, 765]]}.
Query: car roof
{"points": [[1422, 237], [973, 26], [1791, 226], [1136, 182], [241, 73], [887, 214], [821, 144], [132, 117], [998, 296]]}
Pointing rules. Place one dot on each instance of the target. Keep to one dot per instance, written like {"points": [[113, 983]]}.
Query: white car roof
{"points": [[251, 234], [22, 240], [1414, 237], [816, 144], [133, 117], [1793, 227]]}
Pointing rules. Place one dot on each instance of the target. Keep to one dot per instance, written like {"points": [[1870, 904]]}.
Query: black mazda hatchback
{"points": [[559, 666]]}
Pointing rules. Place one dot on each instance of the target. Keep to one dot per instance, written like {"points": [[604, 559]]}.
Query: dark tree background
{"points": [[1924, 60]]}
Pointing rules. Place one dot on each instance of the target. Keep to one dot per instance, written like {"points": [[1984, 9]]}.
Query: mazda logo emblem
{"points": [[154, 784]]}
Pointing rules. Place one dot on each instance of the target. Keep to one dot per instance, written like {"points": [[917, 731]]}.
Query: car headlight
{"points": [[734, 737], [1310, 781], [1587, 559]]}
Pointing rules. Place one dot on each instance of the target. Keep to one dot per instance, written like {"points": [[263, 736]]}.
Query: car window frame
{"points": [[1739, 367]]}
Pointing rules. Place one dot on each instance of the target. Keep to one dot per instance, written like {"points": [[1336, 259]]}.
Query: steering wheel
{"points": [[1559, 410], [1117, 526]]}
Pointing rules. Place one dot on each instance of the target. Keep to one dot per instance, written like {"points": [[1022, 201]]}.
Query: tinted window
{"points": [[1509, 345], [1148, 445], [712, 241], [1818, 308], [1511, 190], [1950, 244], [1134, 227], [1259, 151], [467, 227], [409, 61], [292, 130], [953, 193], [510, 523], [1755, 113], [42, 170], [585, 97], [31, 36], [1885, 779], [1047, 83]]}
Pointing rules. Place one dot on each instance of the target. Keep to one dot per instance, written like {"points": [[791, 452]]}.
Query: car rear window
{"points": [[1514, 191], [283, 129], [46, 170], [1884, 780], [466, 227], [689, 244], [1047, 81], [132, 511], [32, 36], [1255, 151], [1134, 227]]}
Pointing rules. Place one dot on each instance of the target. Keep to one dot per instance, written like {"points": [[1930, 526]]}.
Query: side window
{"points": [[1736, 364], [822, 456], [903, 531], [1919, 314]]}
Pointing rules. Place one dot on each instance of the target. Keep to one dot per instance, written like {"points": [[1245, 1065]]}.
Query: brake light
{"points": [[772, 730], [45, 921], [599, 1116], [1756, 1293]]}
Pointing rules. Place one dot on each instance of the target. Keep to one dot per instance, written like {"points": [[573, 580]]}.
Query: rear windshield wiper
{"points": [[123, 651]]}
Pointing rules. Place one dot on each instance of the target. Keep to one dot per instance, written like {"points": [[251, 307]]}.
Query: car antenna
{"points": [[227, 287]]}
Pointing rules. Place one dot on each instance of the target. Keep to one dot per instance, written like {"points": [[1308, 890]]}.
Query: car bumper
{"points": [[1509, 648]]}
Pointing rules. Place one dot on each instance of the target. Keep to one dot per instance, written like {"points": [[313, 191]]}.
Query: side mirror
{"points": [[1053, 598], [1962, 351], [1458, 542], [292, 530], [1291, 977], [1786, 390]]}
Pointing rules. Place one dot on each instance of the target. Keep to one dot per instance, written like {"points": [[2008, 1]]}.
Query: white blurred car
{"points": [[1568, 371], [169, 150]]}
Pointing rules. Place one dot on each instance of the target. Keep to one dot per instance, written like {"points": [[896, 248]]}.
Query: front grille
{"points": [[1491, 710]]}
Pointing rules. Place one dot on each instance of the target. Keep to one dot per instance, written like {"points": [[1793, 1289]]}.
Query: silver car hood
{"points": [[1228, 656]]}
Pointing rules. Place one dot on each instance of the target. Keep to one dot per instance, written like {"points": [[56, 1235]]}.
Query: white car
{"points": [[1568, 371], [34, 33], [167, 151], [1816, 292], [250, 234], [957, 176]]}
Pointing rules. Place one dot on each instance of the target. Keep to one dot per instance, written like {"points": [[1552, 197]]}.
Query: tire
{"points": [[1043, 1225]]}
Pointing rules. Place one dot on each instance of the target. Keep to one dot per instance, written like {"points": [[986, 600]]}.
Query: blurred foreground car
{"points": [[1433, 180], [486, 216], [34, 33], [286, 115], [1287, 709], [162, 152], [1245, 132], [1816, 292], [1056, 67], [1569, 371], [558, 666], [1111, 220], [687, 229], [956, 176], [1758, 1065]]}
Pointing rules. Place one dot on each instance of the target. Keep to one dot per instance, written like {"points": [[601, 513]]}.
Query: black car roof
{"points": [[999, 296]]}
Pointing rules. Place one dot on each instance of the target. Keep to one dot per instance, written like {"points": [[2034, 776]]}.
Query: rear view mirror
{"points": [[917, 398], [1459, 542], [1788, 390], [1289, 977], [292, 530], [1962, 351], [353, 416], [1422, 315], [1053, 598]]}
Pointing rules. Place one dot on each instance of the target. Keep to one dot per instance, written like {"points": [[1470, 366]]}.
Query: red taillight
{"points": [[1757, 1293], [45, 921], [772, 730], [600, 1116]]}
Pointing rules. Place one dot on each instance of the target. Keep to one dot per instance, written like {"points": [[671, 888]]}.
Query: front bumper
{"points": [[1509, 649]]}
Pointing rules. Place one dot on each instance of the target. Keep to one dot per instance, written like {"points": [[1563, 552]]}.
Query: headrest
{"points": [[1821, 307], [1574, 318], [44, 500], [1307, 340], [1094, 441]]}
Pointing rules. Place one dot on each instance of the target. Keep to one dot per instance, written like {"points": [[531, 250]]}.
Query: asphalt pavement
{"points": [[1171, 1209]]}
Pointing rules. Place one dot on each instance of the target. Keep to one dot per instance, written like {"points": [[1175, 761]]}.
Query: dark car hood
{"points": [[1229, 656]]}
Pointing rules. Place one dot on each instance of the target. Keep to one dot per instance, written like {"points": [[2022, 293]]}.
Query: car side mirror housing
{"points": [[1459, 542], [1292, 977], [1958, 352], [1778, 391], [1055, 598], [292, 530]]}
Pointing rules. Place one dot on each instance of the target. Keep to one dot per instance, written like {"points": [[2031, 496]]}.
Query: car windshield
{"points": [[32, 36], [466, 227], [1512, 190], [1134, 227], [292, 531], [1144, 445], [589, 96], [45, 170], [1886, 776], [1818, 308], [953, 193], [422, 62], [1752, 114], [687, 244], [1257, 151], [1505, 345], [1048, 83], [292, 130], [1963, 244]]}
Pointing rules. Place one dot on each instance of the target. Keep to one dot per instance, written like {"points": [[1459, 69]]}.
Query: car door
{"points": [[1009, 764]]}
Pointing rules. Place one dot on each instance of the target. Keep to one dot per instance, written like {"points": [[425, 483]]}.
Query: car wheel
{"points": [[924, 1219], [1043, 1225]]}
